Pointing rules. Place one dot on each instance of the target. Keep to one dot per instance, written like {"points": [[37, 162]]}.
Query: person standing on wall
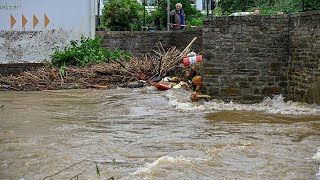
{"points": [[177, 17]]}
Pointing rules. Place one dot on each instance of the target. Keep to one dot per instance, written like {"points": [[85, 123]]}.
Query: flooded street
{"points": [[148, 134]]}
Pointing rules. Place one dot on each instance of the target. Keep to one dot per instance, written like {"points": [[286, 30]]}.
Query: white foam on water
{"points": [[318, 175], [276, 105], [138, 111], [162, 160], [316, 157], [180, 99]]}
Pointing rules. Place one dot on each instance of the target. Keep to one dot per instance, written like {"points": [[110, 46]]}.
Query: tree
{"points": [[310, 5], [122, 15]]}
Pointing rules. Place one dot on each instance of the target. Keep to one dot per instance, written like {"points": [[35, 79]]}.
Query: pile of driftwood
{"points": [[107, 75]]}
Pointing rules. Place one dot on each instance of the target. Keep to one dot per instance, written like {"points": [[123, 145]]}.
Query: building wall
{"points": [[31, 46], [246, 57], [304, 65], [29, 30]]}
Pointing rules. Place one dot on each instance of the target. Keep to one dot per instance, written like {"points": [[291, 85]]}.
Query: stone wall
{"points": [[142, 42], [304, 66], [246, 57]]}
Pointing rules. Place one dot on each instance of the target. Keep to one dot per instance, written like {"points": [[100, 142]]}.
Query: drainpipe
{"points": [[168, 15], [98, 13], [144, 13], [92, 6], [207, 8]]}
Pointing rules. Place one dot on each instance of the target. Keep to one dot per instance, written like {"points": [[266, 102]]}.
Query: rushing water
{"points": [[148, 134]]}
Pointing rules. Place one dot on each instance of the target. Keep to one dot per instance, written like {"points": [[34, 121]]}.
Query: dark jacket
{"points": [[176, 20]]}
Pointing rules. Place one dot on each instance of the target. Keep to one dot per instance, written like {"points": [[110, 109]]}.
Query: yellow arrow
{"points": [[12, 21], [35, 21], [46, 20], [24, 21]]}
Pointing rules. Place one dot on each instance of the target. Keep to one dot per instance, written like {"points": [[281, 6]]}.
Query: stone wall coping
{"points": [[148, 32]]}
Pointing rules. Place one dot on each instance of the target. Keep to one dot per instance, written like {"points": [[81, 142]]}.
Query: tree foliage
{"points": [[310, 5], [268, 6], [230, 6], [122, 15]]}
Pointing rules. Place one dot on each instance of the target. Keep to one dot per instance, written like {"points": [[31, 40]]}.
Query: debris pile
{"points": [[165, 69]]}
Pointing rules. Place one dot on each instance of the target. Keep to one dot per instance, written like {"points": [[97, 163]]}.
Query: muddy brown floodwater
{"points": [[148, 134]]}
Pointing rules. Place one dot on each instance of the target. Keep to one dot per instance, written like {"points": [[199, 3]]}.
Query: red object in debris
{"points": [[159, 86], [192, 60]]}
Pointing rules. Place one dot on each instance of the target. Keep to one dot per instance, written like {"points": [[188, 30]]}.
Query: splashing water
{"points": [[316, 157], [161, 160], [275, 105]]}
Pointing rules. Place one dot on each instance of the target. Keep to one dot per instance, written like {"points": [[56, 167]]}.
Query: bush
{"points": [[122, 15], [287, 6], [196, 21], [310, 5], [85, 51], [217, 11], [230, 6], [268, 6]]}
